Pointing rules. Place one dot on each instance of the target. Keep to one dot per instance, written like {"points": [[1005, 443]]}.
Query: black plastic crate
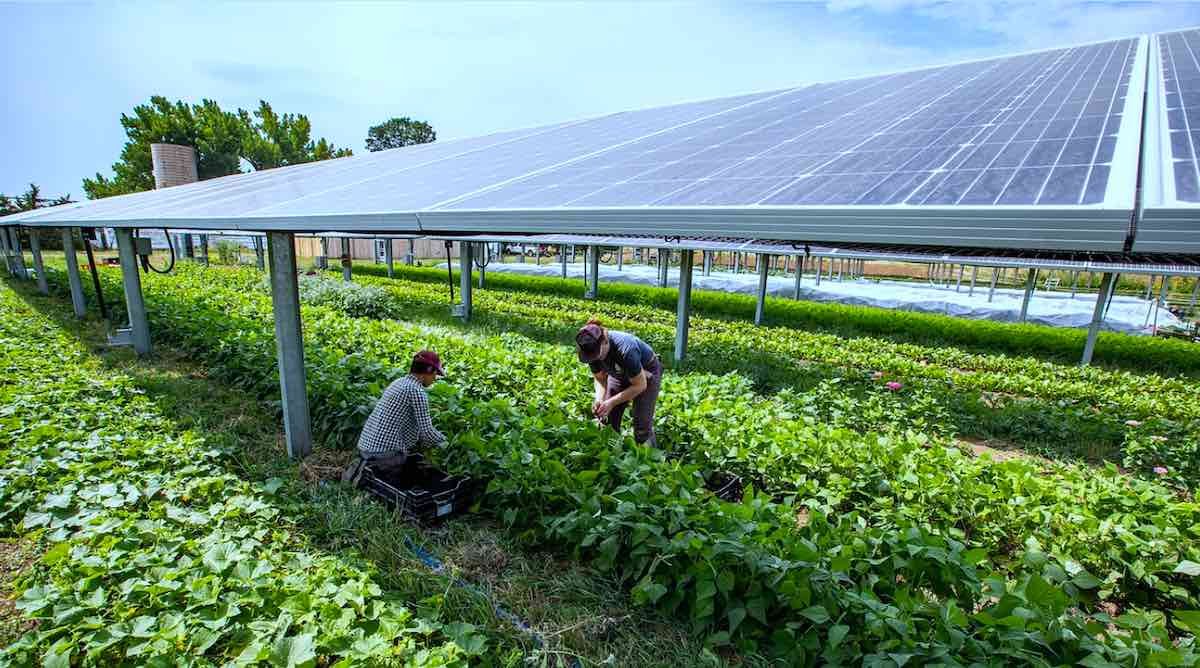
{"points": [[725, 486], [421, 492]]}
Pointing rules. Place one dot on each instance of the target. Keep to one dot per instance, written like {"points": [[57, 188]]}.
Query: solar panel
{"points": [[1037, 129]]}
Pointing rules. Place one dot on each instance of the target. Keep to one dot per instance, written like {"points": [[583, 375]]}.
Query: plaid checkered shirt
{"points": [[400, 421]]}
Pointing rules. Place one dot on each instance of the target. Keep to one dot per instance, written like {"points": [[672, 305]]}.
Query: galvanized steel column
{"points": [[464, 279], [593, 279], [14, 238], [482, 265], [188, 250], [683, 311], [760, 306], [204, 249], [992, 289], [4, 246], [289, 343], [1102, 298], [974, 275], [35, 245], [799, 276], [708, 262], [76, 284], [132, 280], [562, 253], [1030, 283], [389, 258], [820, 268], [958, 284], [663, 261], [259, 261], [410, 258], [620, 258], [346, 260]]}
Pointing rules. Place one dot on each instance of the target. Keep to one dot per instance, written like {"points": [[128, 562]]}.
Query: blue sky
{"points": [[70, 70]]}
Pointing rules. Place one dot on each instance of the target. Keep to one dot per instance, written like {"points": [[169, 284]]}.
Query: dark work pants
{"points": [[643, 404]]}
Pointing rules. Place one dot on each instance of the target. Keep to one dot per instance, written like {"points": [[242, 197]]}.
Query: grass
{"points": [[578, 613]]}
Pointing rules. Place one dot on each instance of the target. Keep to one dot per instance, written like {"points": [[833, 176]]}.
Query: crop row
{"points": [[1056, 410], [154, 555], [1138, 354], [537, 454]]}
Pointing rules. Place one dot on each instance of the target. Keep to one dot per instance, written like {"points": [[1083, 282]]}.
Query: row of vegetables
{"points": [[883, 547], [151, 553], [1147, 423]]}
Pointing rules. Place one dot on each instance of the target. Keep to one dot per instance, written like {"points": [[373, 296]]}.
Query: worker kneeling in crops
{"points": [[625, 369], [400, 422]]}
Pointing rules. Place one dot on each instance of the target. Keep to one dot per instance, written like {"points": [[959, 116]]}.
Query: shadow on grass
{"points": [[578, 612]]}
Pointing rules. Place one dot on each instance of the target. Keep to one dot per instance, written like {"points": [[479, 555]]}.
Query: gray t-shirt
{"points": [[627, 356]]}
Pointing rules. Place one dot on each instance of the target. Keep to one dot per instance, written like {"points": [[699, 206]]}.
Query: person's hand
{"points": [[603, 408]]}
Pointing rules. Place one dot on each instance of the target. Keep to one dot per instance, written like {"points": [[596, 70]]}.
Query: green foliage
{"points": [[860, 546], [221, 139], [353, 299], [398, 132], [154, 554], [274, 140]]}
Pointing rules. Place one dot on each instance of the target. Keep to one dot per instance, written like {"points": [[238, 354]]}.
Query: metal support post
{"points": [[259, 254], [974, 275], [1195, 295], [347, 263], [389, 258], [14, 237], [465, 262], [958, 284], [35, 246], [522, 253], [411, 257], [841, 268], [188, 250], [136, 307], [992, 289], [593, 279], [8, 261], [1149, 288], [737, 263], [204, 249], [708, 262], [1030, 283], [1075, 282], [1102, 298], [684, 309], [289, 344], [799, 276], [664, 259], [1154, 306], [760, 306], [562, 253], [620, 259], [820, 268], [73, 279]]}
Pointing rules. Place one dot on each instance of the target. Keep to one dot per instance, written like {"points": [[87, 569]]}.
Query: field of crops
{"points": [[870, 532]]}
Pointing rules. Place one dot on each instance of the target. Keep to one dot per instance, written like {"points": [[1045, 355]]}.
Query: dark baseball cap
{"points": [[429, 360], [588, 342]]}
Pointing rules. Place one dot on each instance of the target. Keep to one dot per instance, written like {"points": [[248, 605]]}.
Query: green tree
{"points": [[221, 139], [31, 199], [274, 140], [398, 132]]}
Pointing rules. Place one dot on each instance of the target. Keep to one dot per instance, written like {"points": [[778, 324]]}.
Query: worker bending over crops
{"points": [[625, 369], [400, 422]]}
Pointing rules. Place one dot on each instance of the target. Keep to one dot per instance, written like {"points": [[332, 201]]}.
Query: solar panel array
{"points": [[1178, 54], [1027, 130], [1035, 151]]}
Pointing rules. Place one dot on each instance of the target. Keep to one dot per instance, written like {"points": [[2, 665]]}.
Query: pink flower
{"points": [[1160, 470], [894, 386]]}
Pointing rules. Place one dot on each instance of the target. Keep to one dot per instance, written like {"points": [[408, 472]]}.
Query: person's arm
{"points": [[637, 385], [427, 434]]}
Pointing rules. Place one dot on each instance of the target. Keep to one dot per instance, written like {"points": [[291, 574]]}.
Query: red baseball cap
{"points": [[430, 359]]}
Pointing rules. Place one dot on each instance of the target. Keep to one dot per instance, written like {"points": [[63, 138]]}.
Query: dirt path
{"points": [[16, 556]]}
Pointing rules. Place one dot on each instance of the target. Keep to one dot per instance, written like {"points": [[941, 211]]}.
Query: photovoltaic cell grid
{"points": [[1037, 129], [1179, 53]]}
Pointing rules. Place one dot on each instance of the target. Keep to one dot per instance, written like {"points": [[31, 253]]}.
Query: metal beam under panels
{"points": [[683, 310], [139, 328], [35, 247], [73, 278]]}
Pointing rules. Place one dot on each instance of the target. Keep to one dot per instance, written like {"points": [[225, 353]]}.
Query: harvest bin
{"points": [[421, 492]]}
